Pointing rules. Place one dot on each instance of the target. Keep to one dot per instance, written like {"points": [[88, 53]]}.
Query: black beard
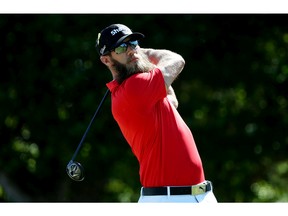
{"points": [[124, 71]]}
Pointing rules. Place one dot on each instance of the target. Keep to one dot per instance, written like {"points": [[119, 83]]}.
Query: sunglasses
{"points": [[124, 46]]}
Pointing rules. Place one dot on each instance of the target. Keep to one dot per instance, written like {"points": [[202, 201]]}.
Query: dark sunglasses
{"points": [[124, 46]]}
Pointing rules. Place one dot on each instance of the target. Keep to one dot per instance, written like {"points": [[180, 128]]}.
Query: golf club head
{"points": [[75, 171]]}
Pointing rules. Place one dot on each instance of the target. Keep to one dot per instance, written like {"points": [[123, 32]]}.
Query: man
{"points": [[145, 107]]}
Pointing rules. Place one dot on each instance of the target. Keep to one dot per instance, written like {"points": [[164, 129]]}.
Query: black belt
{"points": [[178, 190]]}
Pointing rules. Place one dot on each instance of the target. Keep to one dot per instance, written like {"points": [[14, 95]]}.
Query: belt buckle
{"points": [[198, 189]]}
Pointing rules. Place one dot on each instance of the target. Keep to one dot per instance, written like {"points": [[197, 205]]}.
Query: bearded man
{"points": [[144, 105]]}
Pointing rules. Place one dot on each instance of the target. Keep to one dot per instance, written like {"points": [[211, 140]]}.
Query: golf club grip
{"points": [[85, 134]]}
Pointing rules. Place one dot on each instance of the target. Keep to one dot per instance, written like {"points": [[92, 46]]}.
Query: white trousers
{"points": [[207, 197]]}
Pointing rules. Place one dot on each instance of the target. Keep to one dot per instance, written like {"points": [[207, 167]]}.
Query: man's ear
{"points": [[105, 60]]}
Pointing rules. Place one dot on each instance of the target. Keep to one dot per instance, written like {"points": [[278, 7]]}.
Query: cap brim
{"points": [[133, 36]]}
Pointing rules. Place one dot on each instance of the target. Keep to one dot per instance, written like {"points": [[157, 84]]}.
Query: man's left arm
{"points": [[170, 63]]}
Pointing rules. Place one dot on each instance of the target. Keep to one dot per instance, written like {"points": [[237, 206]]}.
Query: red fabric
{"points": [[158, 136]]}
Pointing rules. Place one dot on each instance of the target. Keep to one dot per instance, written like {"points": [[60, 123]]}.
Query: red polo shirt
{"points": [[158, 136]]}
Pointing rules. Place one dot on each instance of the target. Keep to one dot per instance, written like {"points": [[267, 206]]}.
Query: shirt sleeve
{"points": [[146, 89]]}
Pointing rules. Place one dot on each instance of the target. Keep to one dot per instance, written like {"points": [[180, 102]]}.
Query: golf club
{"points": [[74, 169]]}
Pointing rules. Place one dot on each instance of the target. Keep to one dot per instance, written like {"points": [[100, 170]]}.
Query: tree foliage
{"points": [[232, 94]]}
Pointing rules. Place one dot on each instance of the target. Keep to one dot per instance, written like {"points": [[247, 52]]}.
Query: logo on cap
{"points": [[103, 49], [99, 35], [115, 31]]}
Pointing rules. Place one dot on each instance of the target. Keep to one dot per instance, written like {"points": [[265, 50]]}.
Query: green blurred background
{"points": [[232, 93]]}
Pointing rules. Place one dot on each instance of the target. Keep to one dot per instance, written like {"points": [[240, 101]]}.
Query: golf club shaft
{"points": [[85, 134]]}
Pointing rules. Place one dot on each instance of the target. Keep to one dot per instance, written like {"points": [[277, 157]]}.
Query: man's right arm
{"points": [[171, 64]]}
